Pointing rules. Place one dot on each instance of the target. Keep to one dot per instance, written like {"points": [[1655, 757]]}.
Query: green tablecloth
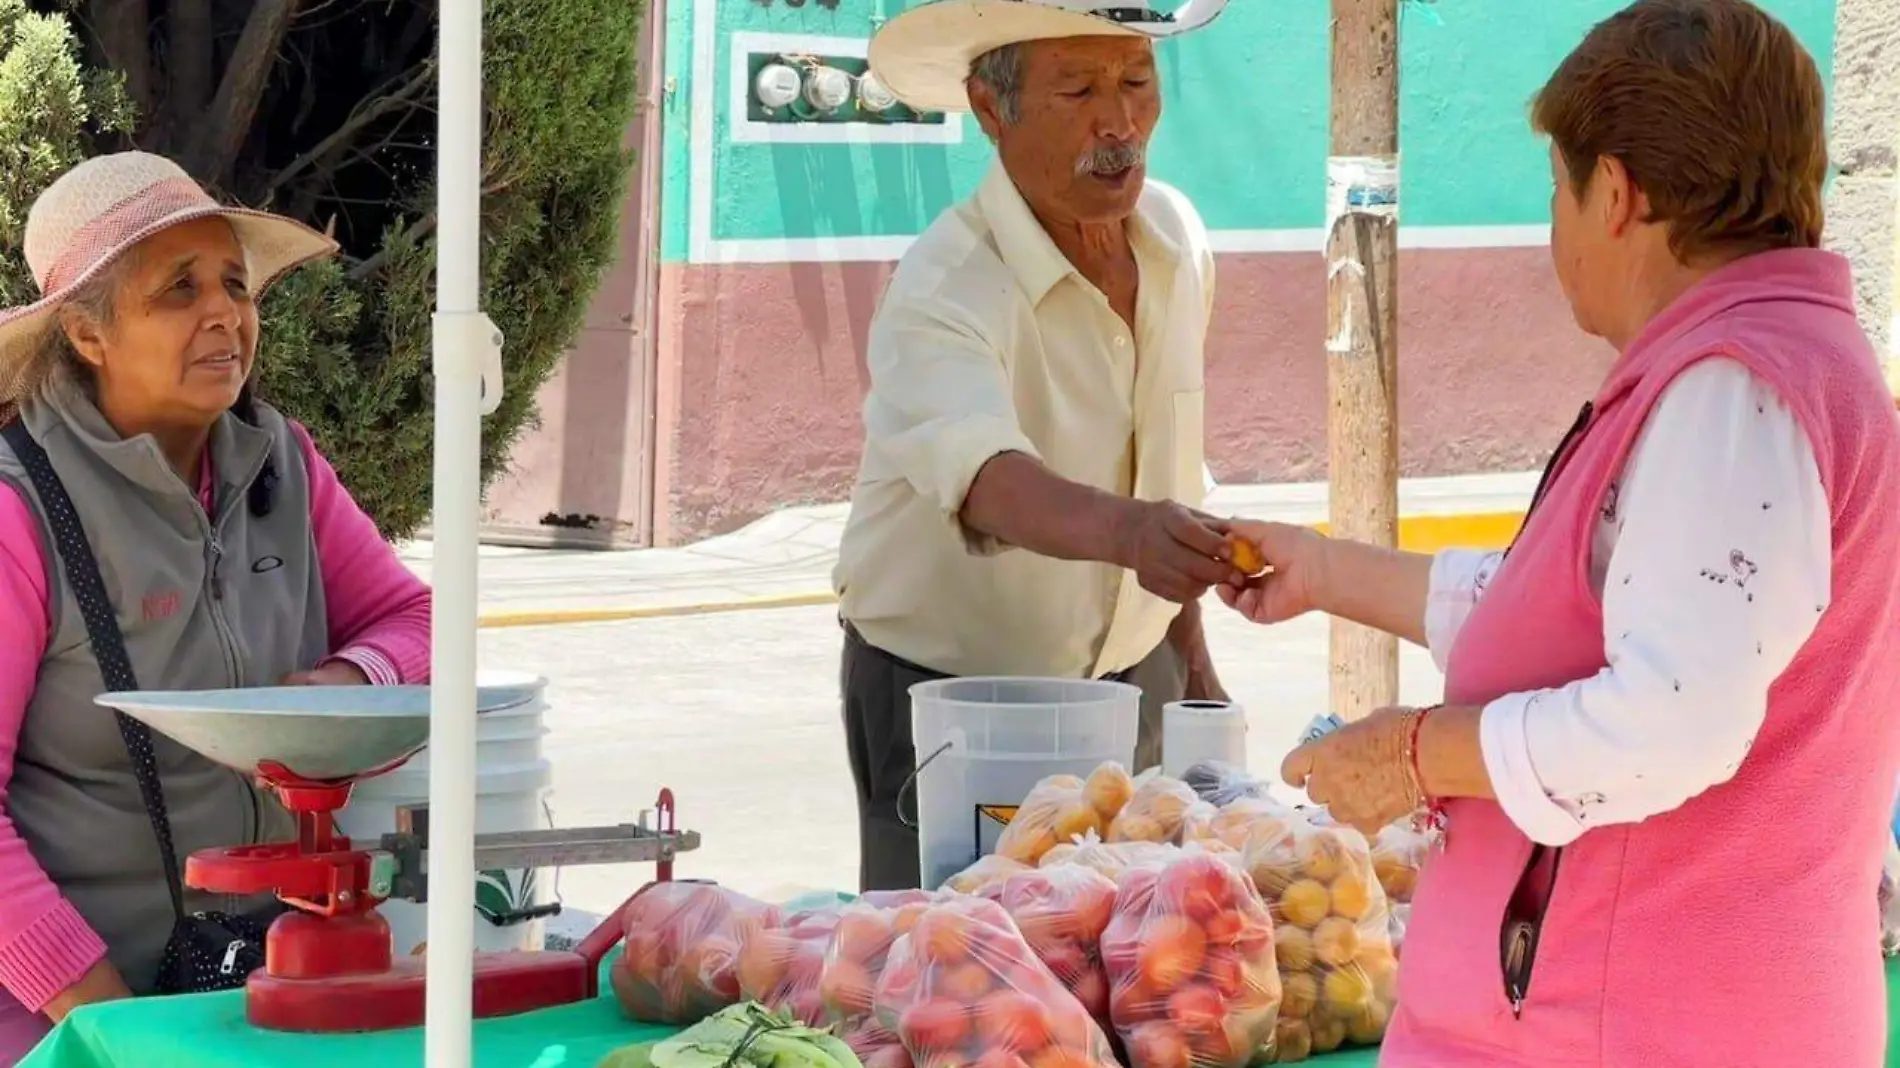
{"points": [[208, 1031]]}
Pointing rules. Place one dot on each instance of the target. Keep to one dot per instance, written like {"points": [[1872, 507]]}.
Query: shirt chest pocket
{"points": [[1189, 446]]}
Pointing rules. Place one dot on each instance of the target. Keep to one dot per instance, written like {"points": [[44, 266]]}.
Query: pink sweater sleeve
{"points": [[45, 946], [379, 610]]}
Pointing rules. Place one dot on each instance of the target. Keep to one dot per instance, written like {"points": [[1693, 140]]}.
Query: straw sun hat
{"points": [[97, 211], [924, 54]]}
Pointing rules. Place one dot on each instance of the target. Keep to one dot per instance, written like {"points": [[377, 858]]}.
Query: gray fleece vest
{"points": [[204, 602]]}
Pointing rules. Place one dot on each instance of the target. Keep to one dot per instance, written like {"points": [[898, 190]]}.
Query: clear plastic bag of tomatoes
{"points": [[964, 989], [1189, 956], [1155, 812], [860, 944], [780, 967], [1062, 807], [683, 941], [1062, 912], [1333, 937]]}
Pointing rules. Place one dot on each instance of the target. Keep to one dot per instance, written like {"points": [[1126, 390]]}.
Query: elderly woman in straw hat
{"points": [[161, 529]]}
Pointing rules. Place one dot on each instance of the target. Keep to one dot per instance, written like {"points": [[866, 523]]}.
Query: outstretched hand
{"points": [[1293, 559], [1177, 552]]}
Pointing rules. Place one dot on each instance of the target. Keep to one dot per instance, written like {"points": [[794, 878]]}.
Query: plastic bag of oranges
{"points": [[1397, 854], [780, 967], [1060, 808], [1332, 934], [1062, 912], [680, 963], [1112, 859], [1154, 812], [1240, 822], [860, 944], [1189, 955], [986, 872], [964, 988]]}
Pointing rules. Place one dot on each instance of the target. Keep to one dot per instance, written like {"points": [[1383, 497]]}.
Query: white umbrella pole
{"points": [[464, 347]]}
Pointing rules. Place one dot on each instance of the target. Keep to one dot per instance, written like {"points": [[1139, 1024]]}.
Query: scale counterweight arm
{"points": [[628, 843]]}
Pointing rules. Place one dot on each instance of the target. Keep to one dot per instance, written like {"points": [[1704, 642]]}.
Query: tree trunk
{"points": [[1362, 187]]}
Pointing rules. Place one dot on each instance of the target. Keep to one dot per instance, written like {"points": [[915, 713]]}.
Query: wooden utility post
{"points": [[1362, 229]]}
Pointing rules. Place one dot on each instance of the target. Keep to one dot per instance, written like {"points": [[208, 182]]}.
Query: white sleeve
{"points": [[1720, 569], [1459, 577]]}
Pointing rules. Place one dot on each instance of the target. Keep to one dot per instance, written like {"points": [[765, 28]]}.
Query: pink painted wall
{"points": [[762, 370]]}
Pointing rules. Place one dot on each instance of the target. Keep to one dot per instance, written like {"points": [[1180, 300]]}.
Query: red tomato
{"points": [[932, 1028]]}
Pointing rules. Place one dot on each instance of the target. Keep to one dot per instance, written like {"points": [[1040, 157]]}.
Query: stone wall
{"points": [[1862, 206]]}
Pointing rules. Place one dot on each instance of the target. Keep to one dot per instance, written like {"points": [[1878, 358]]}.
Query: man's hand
{"points": [[1175, 552], [334, 673], [101, 983], [1295, 559]]}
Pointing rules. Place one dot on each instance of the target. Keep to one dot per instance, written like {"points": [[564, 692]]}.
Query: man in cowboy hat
{"points": [[1033, 451]]}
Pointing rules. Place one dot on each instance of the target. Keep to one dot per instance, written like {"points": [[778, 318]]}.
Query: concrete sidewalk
{"points": [[786, 558]]}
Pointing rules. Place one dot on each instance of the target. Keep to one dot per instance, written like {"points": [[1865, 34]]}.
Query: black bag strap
{"points": [[108, 644]]}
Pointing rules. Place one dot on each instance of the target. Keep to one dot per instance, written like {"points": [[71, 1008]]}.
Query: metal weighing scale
{"points": [[329, 961]]}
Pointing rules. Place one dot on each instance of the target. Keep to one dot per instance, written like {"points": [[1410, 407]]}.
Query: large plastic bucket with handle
{"points": [[983, 743], [512, 784]]}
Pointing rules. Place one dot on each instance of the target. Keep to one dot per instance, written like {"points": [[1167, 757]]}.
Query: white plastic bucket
{"points": [[512, 782], [983, 743]]}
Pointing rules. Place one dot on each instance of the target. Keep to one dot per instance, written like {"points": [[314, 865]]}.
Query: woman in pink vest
{"points": [[1665, 763]]}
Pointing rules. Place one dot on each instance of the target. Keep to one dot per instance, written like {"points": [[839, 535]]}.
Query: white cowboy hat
{"points": [[97, 211], [924, 54]]}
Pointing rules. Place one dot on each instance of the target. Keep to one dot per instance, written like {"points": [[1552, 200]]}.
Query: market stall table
{"points": [[208, 1031]]}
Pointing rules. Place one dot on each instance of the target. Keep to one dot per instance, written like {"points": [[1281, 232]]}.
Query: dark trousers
{"points": [[876, 689]]}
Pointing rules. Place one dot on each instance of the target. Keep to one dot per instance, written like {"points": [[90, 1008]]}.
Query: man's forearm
{"points": [[1381, 588], [1189, 639], [1018, 501]]}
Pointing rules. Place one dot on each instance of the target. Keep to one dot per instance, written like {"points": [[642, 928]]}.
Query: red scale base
{"points": [[329, 963]]}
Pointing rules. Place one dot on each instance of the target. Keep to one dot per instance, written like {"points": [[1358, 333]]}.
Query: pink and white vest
{"points": [[1740, 929]]}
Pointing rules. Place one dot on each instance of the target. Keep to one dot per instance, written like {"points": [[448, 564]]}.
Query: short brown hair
{"points": [[1714, 108]]}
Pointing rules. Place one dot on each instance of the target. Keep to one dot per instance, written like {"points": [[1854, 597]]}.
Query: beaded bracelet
{"points": [[1430, 817]]}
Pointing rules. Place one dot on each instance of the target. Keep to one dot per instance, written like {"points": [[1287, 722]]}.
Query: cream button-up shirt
{"points": [[988, 341]]}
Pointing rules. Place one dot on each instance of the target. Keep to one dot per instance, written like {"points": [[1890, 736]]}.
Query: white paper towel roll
{"points": [[1193, 731]]}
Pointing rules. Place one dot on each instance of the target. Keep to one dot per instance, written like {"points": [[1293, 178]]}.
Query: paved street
{"points": [[738, 713]]}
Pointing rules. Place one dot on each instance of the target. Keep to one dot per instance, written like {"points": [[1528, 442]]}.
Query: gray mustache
{"points": [[1110, 159]]}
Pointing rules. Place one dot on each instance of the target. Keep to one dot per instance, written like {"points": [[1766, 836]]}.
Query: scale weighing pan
{"points": [[318, 733]]}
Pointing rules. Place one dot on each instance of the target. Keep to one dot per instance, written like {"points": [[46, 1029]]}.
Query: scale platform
{"points": [[329, 965]]}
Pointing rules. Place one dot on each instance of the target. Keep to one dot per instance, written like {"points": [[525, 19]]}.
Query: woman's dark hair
{"points": [[1715, 109]]}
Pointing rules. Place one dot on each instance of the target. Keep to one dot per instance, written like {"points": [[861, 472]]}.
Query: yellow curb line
{"points": [[1419, 533]]}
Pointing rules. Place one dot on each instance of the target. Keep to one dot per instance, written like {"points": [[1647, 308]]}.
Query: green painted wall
{"points": [[1244, 133]]}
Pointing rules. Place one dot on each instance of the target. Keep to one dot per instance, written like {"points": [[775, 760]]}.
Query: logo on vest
{"points": [[161, 605], [266, 563]]}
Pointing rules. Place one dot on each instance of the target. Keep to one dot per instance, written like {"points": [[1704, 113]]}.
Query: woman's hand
{"points": [[101, 983], [334, 673], [1295, 564], [1360, 772]]}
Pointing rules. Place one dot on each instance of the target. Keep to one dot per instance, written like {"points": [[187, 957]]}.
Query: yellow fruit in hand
{"points": [[1246, 556]]}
